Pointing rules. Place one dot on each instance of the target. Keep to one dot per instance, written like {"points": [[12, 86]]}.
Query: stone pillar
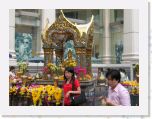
{"points": [[106, 38], [131, 37], [34, 41], [49, 14], [150, 33], [100, 41], [12, 32], [39, 41], [12, 60]]}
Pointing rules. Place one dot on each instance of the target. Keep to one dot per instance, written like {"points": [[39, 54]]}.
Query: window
{"points": [[118, 15], [71, 15]]}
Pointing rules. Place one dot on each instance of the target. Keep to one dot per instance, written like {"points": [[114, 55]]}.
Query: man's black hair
{"points": [[114, 74]]}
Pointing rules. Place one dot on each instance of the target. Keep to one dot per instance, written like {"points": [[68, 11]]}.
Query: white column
{"points": [[39, 41], [131, 37], [106, 38], [12, 33], [49, 14], [150, 35], [100, 43]]}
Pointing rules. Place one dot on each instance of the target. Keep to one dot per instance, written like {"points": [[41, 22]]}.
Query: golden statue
{"points": [[69, 62]]}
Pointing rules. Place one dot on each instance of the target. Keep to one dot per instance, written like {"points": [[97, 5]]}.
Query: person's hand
{"points": [[67, 94], [103, 100], [108, 102], [100, 97]]}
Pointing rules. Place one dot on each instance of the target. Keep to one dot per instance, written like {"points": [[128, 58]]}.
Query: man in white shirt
{"points": [[118, 95]]}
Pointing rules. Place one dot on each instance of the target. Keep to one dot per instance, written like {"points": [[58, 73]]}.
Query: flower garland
{"points": [[38, 93]]}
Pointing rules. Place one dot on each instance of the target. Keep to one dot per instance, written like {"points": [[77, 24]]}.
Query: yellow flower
{"points": [[58, 95], [36, 93], [49, 98]]}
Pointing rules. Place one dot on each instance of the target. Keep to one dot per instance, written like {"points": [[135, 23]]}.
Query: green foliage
{"points": [[22, 67]]}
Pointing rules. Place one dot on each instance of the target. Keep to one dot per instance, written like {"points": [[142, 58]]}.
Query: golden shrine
{"points": [[70, 42]]}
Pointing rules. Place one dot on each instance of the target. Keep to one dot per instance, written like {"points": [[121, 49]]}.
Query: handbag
{"points": [[77, 100]]}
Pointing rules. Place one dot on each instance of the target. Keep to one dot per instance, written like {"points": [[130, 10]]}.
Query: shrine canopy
{"points": [[54, 37]]}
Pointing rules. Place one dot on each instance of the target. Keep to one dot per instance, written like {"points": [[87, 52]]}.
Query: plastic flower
{"points": [[39, 93], [52, 67], [36, 93], [22, 91], [45, 70], [22, 67], [58, 95]]}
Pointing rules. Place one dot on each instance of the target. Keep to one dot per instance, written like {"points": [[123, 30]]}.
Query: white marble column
{"points": [[100, 41], [12, 33], [106, 38], [131, 37], [150, 32], [12, 61], [49, 14]]}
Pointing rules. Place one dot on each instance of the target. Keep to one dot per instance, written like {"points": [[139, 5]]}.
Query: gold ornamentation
{"points": [[54, 36], [69, 62]]}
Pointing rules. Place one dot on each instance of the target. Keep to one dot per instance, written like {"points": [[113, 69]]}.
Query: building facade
{"points": [[116, 34]]}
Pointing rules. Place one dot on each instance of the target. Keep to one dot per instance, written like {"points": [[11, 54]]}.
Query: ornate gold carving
{"points": [[54, 36], [69, 62]]}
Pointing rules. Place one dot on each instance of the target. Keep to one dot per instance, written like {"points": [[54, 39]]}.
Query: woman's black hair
{"points": [[71, 70], [11, 68], [114, 74]]}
